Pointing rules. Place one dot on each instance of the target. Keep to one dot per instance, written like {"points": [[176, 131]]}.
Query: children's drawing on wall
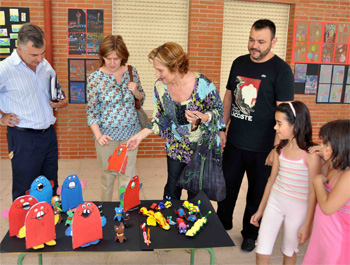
{"points": [[347, 94], [14, 15], [311, 84], [77, 92], [327, 53], [343, 33], [2, 18], [300, 73], [313, 52], [77, 43], [302, 29], [77, 70], [300, 51], [348, 78], [335, 95], [95, 20], [340, 53], [315, 32], [94, 41], [325, 73], [23, 17], [91, 66], [76, 20], [323, 93], [338, 74], [330, 33]]}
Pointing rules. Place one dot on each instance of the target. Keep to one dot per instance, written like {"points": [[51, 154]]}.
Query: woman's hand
{"points": [[134, 141], [192, 116], [254, 220], [132, 87], [222, 139], [104, 140]]}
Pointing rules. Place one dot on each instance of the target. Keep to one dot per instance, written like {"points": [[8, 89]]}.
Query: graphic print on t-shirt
{"points": [[246, 93]]}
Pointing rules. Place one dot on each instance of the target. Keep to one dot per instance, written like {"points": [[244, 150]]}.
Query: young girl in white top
{"points": [[289, 196]]}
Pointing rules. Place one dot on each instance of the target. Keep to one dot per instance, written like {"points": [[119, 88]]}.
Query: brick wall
{"points": [[204, 48]]}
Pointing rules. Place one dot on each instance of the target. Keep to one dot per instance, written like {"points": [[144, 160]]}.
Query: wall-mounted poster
{"points": [[323, 42], [78, 72], [77, 93], [95, 20], [77, 43], [11, 20], [76, 20]]}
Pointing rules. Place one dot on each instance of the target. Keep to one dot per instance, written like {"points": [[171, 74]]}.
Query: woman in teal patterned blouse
{"points": [[182, 100], [111, 112]]}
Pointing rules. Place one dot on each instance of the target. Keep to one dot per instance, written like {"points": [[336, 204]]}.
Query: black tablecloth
{"points": [[213, 233]]}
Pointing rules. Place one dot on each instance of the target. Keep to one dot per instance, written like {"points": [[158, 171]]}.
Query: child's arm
{"points": [[340, 194], [254, 220], [325, 164], [313, 162]]}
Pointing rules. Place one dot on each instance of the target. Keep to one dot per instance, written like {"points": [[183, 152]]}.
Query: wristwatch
{"points": [[223, 129]]}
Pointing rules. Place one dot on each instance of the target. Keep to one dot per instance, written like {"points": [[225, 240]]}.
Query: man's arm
{"points": [[227, 105]]}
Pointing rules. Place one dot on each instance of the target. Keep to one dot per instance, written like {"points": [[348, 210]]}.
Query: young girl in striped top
{"points": [[289, 196], [330, 239]]}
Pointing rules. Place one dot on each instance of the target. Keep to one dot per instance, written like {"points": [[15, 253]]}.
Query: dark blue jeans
{"points": [[235, 163], [34, 154], [175, 168]]}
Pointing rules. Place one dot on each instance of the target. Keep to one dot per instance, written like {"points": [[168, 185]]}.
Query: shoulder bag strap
{"points": [[137, 102]]}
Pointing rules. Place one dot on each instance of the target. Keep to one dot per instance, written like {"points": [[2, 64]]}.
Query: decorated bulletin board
{"points": [[85, 31], [78, 72], [11, 20], [321, 42]]}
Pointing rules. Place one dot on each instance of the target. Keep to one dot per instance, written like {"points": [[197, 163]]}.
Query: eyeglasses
{"points": [[195, 125]]}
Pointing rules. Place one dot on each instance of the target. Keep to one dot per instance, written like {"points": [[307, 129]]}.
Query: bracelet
{"points": [[209, 119]]}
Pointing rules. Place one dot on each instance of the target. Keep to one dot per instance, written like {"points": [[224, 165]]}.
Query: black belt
{"points": [[33, 130]]}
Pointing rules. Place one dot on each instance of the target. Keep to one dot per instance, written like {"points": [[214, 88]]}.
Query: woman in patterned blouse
{"points": [[182, 100], [111, 112]]}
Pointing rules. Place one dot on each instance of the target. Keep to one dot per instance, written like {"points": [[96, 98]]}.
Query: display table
{"points": [[212, 235]]}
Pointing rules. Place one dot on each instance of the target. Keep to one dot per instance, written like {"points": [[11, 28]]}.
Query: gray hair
{"points": [[33, 33]]}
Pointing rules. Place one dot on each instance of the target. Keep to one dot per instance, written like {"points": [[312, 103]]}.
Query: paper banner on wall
{"points": [[335, 95], [311, 84], [338, 74], [323, 93], [77, 70], [300, 73], [330, 33], [325, 73], [95, 20], [315, 32], [343, 33], [347, 94]]}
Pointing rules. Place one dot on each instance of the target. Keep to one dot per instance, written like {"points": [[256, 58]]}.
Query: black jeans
{"points": [[235, 162], [34, 154], [175, 168]]}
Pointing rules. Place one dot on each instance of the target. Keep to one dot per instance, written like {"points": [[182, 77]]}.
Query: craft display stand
{"points": [[212, 235]]}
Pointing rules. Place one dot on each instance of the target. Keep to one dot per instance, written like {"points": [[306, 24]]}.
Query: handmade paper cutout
{"points": [[119, 159], [18, 212], [87, 225], [40, 226], [132, 196], [41, 189], [72, 193]]}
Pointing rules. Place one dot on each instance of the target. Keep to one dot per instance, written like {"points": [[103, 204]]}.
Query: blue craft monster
{"points": [[118, 213], [41, 189], [71, 193]]}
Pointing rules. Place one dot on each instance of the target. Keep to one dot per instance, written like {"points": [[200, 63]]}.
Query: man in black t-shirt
{"points": [[258, 82]]}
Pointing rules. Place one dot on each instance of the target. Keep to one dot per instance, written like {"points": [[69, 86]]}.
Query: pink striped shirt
{"points": [[293, 178]]}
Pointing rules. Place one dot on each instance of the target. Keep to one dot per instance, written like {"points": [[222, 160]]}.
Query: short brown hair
{"points": [[113, 43], [172, 56], [33, 33]]}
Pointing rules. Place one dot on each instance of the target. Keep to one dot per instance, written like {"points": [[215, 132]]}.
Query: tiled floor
{"points": [[152, 174]]}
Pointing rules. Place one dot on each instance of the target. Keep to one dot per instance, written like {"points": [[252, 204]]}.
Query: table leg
{"points": [[211, 253], [21, 258]]}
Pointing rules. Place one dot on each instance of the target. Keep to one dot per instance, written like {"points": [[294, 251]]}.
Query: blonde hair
{"points": [[171, 55], [113, 43]]}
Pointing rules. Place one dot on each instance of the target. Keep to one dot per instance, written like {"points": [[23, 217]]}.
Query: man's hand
{"points": [[9, 119], [61, 104]]}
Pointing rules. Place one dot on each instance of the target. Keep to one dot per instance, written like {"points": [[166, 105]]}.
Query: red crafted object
{"points": [[18, 212], [118, 160], [131, 196], [40, 225]]}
